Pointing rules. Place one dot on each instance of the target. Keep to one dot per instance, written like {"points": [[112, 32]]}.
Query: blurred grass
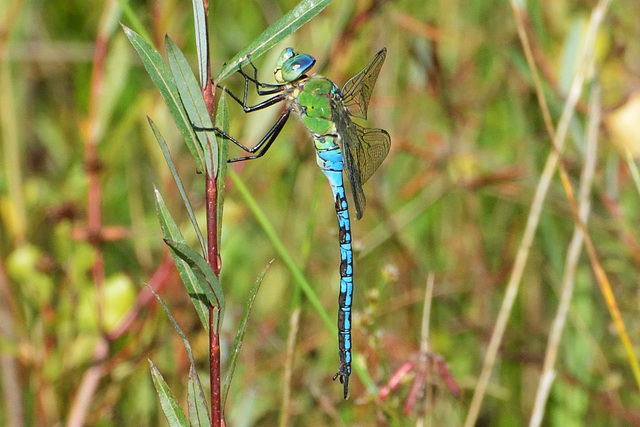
{"points": [[468, 147]]}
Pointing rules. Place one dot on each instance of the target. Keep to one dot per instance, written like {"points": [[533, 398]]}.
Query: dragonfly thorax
{"points": [[312, 99]]}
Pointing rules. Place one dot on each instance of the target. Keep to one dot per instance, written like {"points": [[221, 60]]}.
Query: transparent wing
{"points": [[371, 149], [357, 91], [359, 201], [363, 150]]}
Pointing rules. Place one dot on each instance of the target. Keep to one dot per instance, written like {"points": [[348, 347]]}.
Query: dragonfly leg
{"points": [[270, 88], [263, 145], [247, 109], [266, 140], [264, 104], [261, 105], [257, 82], [247, 79]]}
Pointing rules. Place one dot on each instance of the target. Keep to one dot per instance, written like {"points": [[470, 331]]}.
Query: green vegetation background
{"points": [[452, 199]]}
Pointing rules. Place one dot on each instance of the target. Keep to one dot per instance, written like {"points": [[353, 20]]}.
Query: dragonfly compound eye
{"points": [[291, 65]]}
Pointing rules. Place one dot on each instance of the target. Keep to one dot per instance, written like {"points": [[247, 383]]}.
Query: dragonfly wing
{"points": [[349, 136], [357, 91], [363, 150], [360, 202], [370, 150]]}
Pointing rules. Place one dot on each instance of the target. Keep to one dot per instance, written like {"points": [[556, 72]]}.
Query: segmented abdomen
{"points": [[331, 163]]}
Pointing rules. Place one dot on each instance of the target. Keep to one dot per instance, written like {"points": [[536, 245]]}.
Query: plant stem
{"points": [[214, 338], [213, 252]]}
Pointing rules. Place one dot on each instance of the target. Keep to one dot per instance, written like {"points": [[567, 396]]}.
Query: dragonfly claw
{"points": [[344, 378]]}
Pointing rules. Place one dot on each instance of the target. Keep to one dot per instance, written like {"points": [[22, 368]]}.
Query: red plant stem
{"points": [[213, 254], [214, 338], [214, 363]]}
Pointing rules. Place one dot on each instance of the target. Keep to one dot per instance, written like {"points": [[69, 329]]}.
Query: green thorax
{"points": [[311, 98]]}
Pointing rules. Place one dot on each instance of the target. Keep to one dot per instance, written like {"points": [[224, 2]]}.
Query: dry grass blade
{"points": [[541, 191], [294, 325], [573, 256]]}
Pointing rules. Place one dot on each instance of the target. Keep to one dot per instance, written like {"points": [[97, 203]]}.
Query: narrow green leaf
{"points": [[202, 41], [172, 167], [633, 167], [222, 122], [287, 24], [169, 405], [171, 231], [187, 346], [191, 96], [196, 402], [271, 233], [195, 387], [133, 17], [207, 280], [162, 78], [237, 344]]}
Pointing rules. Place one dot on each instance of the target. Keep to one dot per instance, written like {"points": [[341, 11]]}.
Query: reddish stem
{"points": [[214, 338], [213, 254]]}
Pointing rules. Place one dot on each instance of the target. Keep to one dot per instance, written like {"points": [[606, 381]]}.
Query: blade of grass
{"points": [[603, 281], [222, 122], [237, 343], [207, 280], [195, 387], [163, 79], [202, 39], [294, 326], [296, 306], [196, 402], [286, 25], [191, 96], [133, 18], [271, 233], [572, 258], [171, 231], [633, 167], [169, 405], [172, 167], [558, 140]]}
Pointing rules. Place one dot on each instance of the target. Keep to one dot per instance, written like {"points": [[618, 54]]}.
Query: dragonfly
{"points": [[341, 145]]}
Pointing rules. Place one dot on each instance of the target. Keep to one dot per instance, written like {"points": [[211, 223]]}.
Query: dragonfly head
{"points": [[291, 65]]}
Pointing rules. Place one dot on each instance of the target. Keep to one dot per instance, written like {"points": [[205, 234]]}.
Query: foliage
{"points": [[79, 233]]}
